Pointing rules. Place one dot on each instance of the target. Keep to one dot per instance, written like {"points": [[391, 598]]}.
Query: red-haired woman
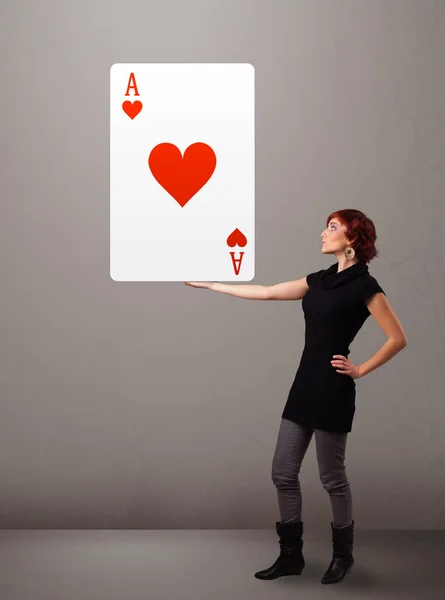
{"points": [[336, 302]]}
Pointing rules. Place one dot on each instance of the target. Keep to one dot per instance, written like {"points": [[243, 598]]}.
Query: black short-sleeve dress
{"points": [[334, 311]]}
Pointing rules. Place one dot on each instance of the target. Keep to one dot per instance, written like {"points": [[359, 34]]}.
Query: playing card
{"points": [[182, 172]]}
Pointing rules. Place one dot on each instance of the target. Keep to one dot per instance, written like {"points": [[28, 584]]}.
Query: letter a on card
{"points": [[182, 172]]}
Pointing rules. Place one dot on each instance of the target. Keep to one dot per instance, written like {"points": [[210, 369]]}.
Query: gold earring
{"points": [[349, 252]]}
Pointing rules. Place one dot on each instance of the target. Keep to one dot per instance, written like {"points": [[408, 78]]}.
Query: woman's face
{"points": [[333, 237]]}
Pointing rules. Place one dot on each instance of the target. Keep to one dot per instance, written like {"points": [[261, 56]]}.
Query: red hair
{"points": [[360, 229]]}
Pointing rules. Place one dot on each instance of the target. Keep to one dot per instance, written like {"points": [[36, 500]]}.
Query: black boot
{"points": [[342, 560], [290, 560]]}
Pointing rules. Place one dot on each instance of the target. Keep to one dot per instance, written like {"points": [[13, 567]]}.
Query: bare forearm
{"points": [[249, 292], [389, 349]]}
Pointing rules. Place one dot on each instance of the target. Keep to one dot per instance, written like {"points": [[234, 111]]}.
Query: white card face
{"points": [[182, 172]]}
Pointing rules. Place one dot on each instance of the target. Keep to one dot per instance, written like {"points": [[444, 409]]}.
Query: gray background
{"points": [[155, 405]]}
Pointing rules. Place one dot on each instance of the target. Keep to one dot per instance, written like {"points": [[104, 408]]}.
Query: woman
{"points": [[336, 302]]}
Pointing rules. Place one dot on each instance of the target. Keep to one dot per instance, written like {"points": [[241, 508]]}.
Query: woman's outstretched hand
{"points": [[344, 365], [199, 284]]}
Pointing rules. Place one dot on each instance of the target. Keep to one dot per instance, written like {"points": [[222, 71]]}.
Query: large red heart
{"points": [[182, 177]]}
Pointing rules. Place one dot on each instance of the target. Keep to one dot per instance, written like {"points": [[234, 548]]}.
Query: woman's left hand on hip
{"points": [[344, 366]]}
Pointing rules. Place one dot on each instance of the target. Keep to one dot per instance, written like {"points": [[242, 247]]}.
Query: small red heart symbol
{"points": [[182, 177], [132, 108], [236, 238]]}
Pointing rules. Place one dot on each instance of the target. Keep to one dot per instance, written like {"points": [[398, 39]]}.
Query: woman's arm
{"points": [[381, 310], [289, 290], [249, 292]]}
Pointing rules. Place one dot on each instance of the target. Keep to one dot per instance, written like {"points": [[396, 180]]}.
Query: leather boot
{"points": [[290, 560], [342, 560]]}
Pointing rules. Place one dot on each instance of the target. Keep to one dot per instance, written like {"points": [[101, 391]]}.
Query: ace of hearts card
{"points": [[182, 172]]}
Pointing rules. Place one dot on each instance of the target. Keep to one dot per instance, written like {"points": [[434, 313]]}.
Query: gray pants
{"points": [[293, 441]]}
